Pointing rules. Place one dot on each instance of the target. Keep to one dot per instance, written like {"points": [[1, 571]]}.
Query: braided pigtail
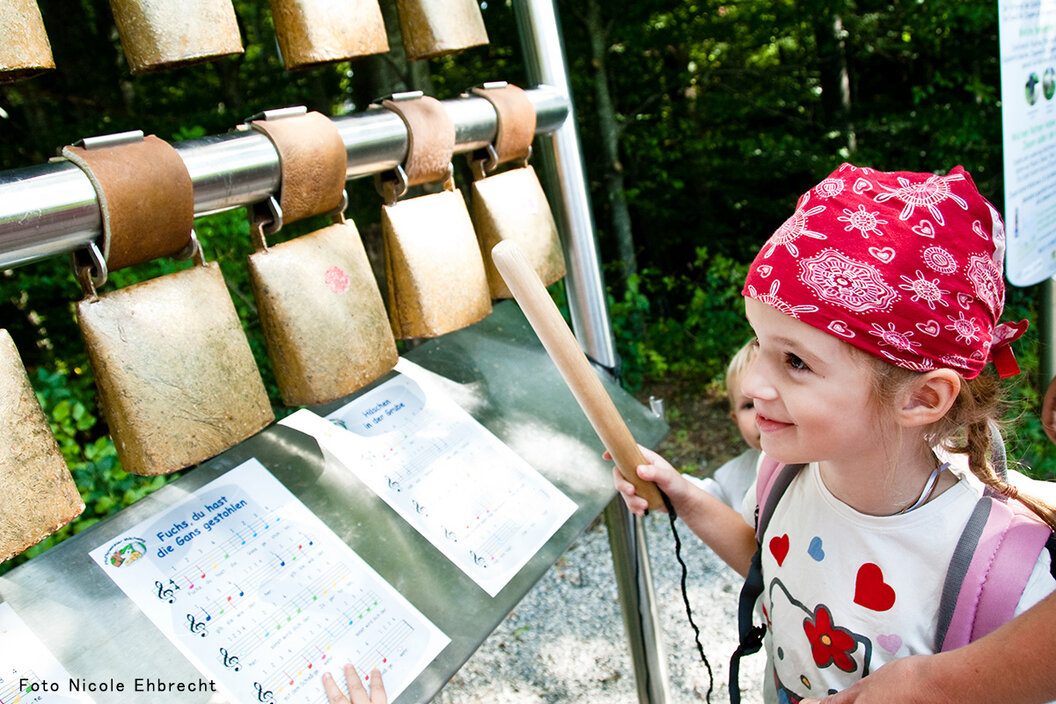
{"points": [[966, 427], [976, 409]]}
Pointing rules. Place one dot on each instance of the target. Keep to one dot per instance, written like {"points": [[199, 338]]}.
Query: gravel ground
{"points": [[565, 641]]}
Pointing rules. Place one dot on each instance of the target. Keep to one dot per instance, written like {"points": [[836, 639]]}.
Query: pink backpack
{"points": [[993, 561]]}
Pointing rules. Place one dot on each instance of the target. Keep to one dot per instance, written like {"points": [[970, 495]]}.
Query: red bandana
{"points": [[905, 266]]}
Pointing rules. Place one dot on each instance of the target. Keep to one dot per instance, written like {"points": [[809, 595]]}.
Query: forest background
{"points": [[701, 123]]}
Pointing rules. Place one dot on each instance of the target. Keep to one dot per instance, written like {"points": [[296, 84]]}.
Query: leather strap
{"points": [[313, 163], [430, 138], [516, 121], [145, 196]]}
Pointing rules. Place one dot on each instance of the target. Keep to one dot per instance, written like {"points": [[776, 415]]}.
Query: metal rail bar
{"points": [[51, 209], [562, 158]]}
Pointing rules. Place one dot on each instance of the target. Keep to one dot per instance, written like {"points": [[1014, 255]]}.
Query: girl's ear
{"points": [[930, 397]]}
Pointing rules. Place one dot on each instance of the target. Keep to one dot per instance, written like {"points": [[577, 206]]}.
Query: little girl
{"points": [[875, 309]]}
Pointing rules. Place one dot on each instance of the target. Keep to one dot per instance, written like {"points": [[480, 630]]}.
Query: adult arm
{"points": [[721, 528], [1012, 665], [1048, 411]]}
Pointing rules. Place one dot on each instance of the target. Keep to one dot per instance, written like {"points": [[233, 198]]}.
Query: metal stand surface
{"points": [[497, 371]]}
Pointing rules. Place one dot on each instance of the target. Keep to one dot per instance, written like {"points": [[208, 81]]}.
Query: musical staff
{"points": [[260, 595], [458, 485]]}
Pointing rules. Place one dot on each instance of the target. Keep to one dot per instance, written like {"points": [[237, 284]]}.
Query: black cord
{"points": [[685, 595]]}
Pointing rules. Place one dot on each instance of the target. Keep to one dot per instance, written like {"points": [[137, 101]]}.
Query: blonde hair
{"points": [[966, 428], [738, 364]]}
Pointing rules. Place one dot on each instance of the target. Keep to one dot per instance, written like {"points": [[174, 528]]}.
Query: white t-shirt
{"points": [[845, 592], [731, 481]]}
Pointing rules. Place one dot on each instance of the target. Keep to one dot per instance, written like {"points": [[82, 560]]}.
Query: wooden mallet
{"points": [[530, 293]]}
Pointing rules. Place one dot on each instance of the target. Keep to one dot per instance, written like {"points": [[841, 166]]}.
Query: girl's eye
{"points": [[794, 362], [748, 406]]}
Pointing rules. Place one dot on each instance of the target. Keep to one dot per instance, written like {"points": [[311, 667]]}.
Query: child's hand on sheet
{"points": [[356, 693]]}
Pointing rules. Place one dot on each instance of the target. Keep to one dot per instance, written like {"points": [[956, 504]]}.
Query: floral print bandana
{"points": [[905, 266]]}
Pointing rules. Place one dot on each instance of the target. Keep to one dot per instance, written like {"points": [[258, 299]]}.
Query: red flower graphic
{"points": [[829, 644]]}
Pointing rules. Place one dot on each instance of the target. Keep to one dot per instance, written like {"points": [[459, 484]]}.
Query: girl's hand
{"points": [[356, 693], [657, 470]]}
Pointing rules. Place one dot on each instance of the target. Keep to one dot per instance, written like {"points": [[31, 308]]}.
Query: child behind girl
{"points": [[875, 308], [730, 482]]}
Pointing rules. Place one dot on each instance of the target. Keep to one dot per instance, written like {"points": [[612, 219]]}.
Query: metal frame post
{"points": [[562, 158], [1047, 334], [565, 177]]}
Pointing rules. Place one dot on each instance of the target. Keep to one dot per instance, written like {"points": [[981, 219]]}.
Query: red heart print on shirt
{"points": [[779, 548], [870, 589]]}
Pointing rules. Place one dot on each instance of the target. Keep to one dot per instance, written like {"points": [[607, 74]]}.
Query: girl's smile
{"points": [[812, 393], [769, 425]]}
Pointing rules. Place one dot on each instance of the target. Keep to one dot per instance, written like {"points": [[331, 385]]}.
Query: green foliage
{"points": [[1027, 444], [681, 325]]}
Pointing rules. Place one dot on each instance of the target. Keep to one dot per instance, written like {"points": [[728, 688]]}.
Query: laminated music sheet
{"points": [[463, 489], [262, 597], [29, 673]]}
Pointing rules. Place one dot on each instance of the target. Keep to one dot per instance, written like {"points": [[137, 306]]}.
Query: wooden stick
{"points": [[579, 375]]}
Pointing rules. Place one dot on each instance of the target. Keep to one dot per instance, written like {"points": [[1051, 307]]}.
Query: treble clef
{"points": [[165, 592], [196, 626], [477, 559], [263, 695], [230, 661], [450, 535], [393, 484], [419, 509]]}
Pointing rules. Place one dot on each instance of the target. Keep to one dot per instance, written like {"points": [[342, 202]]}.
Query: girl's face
{"points": [[812, 392]]}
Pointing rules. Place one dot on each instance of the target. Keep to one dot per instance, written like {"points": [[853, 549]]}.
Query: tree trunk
{"points": [[615, 195], [392, 72], [834, 70]]}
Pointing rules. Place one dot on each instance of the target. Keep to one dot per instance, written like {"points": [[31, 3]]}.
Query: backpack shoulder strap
{"points": [[774, 478], [989, 570], [770, 485]]}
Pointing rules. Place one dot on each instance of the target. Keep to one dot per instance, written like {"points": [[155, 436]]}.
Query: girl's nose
{"points": [[754, 383]]}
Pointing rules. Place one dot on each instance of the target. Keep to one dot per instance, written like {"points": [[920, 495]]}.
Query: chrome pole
{"points": [[51, 209], [562, 159], [634, 580]]}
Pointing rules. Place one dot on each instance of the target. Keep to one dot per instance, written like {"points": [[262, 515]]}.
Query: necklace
{"points": [[929, 487]]}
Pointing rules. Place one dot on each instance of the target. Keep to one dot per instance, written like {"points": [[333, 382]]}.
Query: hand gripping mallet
{"points": [[579, 375]]}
